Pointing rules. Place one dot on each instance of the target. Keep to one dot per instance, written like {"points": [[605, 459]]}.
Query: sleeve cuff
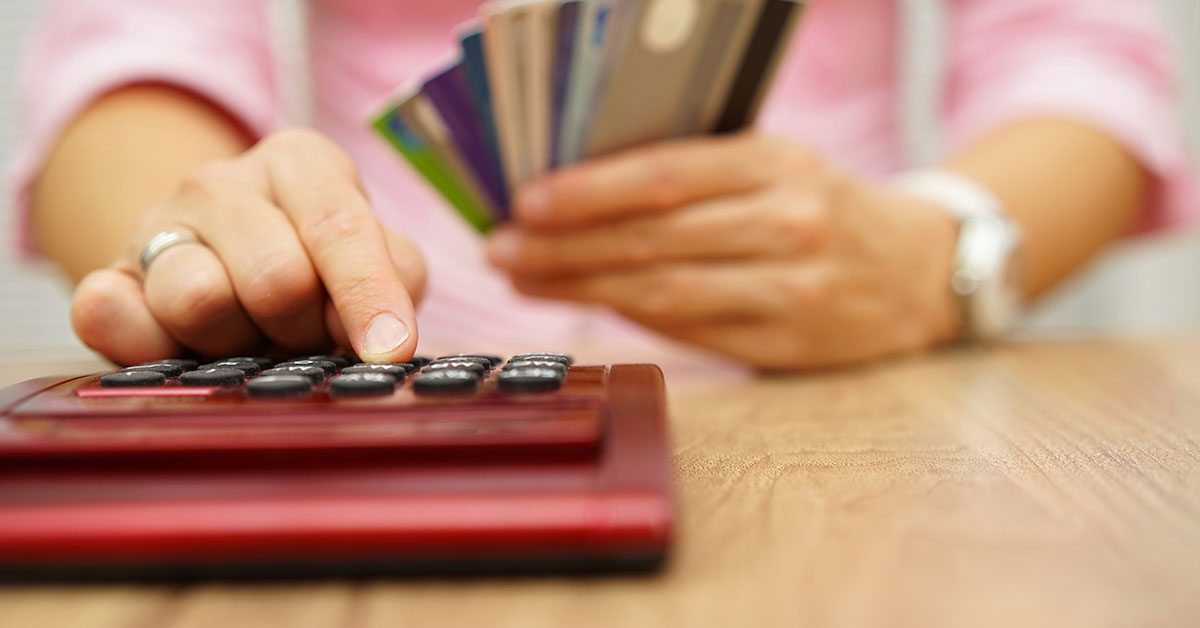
{"points": [[85, 78], [1108, 99]]}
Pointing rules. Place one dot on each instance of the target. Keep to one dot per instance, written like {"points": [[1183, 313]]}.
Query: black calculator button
{"points": [[440, 381], [168, 370], [315, 374], [529, 379], [468, 365], [419, 361], [338, 360], [565, 359], [492, 360], [263, 363], [395, 371], [183, 363], [325, 365], [212, 377], [559, 367], [248, 368], [125, 379], [480, 360], [279, 386], [361, 384]]}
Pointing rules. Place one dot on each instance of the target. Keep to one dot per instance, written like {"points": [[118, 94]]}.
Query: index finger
{"points": [[654, 179], [314, 183]]}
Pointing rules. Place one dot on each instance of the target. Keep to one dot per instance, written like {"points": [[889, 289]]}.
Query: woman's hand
{"points": [[746, 245], [289, 255]]}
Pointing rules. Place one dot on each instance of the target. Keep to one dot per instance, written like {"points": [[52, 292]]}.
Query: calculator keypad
{"points": [[457, 375]]}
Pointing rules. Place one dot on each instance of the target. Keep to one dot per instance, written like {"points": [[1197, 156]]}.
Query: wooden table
{"points": [[1038, 484]]}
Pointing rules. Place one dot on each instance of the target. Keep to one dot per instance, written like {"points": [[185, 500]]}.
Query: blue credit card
{"points": [[475, 70], [591, 30], [450, 94], [564, 46]]}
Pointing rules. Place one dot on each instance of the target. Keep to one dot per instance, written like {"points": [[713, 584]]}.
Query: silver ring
{"points": [[160, 242]]}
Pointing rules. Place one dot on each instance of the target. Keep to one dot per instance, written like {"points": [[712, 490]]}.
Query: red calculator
{"points": [[317, 466]]}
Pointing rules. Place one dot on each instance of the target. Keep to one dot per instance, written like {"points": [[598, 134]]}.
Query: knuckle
{"points": [[662, 298], [93, 309], [212, 179], [293, 140], [638, 239], [281, 289], [661, 169], [356, 293], [335, 225], [199, 303], [803, 228], [805, 291]]}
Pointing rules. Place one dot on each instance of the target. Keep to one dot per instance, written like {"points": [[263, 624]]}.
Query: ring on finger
{"points": [[160, 242]]}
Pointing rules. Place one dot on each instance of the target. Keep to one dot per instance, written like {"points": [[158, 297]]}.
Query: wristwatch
{"points": [[988, 271]]}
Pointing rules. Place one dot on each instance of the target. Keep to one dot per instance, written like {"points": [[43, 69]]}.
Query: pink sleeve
{"points": [[1107, 64], [218, 49]]}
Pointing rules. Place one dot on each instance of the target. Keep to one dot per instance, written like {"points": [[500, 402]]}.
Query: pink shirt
{"points": [[1105, 63]]}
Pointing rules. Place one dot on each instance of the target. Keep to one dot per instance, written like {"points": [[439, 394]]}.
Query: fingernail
{"points": [[533, 201], [384, 334], [502, 248]]}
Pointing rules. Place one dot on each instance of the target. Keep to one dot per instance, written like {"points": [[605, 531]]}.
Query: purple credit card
{"points": [[564, 45], [451, 95]]}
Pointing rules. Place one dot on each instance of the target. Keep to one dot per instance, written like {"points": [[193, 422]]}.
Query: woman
{"points": [[790, 247]]}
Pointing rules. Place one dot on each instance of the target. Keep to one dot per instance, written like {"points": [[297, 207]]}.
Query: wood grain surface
{"points": [[1037, 484]]}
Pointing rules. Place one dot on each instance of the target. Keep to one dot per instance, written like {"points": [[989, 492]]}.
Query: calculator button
{"points": [[325, 365], [548, 364], [263, 363], [126, 379], [279, 386], [359, 384], [248, 368], [168, 370], [338, 361], [529, 379], [472, 366], [395, 371], [480, 360], [445, 381], [492, 360], [419, 361], [183, 363], [212, 377], [565, 359], [314, 373]]}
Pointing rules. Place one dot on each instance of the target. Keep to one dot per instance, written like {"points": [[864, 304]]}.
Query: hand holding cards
{"points": [[546, 83]]}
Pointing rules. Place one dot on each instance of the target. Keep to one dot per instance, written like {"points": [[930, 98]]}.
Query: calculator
{"points": [[320, 466]]}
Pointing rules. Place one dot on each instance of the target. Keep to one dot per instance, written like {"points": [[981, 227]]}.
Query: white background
{"points": [[1148, 284]]}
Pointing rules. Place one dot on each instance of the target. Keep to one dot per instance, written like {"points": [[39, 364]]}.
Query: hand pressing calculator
{"points": [[244, 467]]}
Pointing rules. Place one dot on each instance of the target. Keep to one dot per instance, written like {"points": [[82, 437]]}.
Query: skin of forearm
{"points": [[1071, 188], [124, 153]]}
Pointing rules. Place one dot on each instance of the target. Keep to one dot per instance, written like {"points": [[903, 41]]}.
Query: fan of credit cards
{"points": [[546, 83]]}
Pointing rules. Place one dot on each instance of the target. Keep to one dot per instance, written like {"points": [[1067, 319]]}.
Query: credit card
{"points": [[395, 127], [542, 84], [595, 27], [564, 52], [475, 70], [716, 68], [449, 93], [502, 51], [648, 81], [768, 45], [541, 19]]}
